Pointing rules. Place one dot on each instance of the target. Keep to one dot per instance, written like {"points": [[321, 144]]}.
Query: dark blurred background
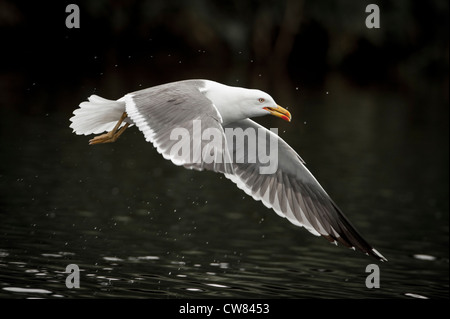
{"points": [[122, 46]]}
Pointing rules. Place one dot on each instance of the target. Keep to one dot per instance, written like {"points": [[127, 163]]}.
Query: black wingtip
{"points": [[378, 256], [369, 251]]}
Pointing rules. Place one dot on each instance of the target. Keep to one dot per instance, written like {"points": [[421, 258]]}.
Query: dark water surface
{"points": [[139, 227]]}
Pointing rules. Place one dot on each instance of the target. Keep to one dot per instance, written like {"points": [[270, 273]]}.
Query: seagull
{"points": [[197, 110]]}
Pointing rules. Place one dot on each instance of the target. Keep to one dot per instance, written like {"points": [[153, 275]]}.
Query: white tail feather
{"points": [[96, 116]]}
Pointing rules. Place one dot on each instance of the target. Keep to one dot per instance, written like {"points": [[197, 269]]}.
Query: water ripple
{"points": [[27, 290]]}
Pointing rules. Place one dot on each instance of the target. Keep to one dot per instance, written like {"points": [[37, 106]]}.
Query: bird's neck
{"points": [[226, 99]]}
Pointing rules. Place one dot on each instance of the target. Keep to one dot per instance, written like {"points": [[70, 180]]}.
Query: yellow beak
{"points": [[279, 112]]}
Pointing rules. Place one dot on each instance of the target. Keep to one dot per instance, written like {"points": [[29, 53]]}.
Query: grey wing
{"points": [[290, 189], [182, 124]]}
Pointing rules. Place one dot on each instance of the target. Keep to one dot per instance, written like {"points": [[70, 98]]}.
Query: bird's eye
{"points": [[261, 100]]}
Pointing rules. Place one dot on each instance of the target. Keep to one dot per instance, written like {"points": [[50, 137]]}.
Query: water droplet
{"points": [[217, 285], [27, 290], [415, 296], [148, 258], [424, 257], [112, 259]]}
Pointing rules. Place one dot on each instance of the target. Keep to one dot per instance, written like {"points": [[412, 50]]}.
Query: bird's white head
{"points": [[235, 103], [259, 103]]}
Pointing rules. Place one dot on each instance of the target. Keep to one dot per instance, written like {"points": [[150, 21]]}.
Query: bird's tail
{"points": [[97, 115]]}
